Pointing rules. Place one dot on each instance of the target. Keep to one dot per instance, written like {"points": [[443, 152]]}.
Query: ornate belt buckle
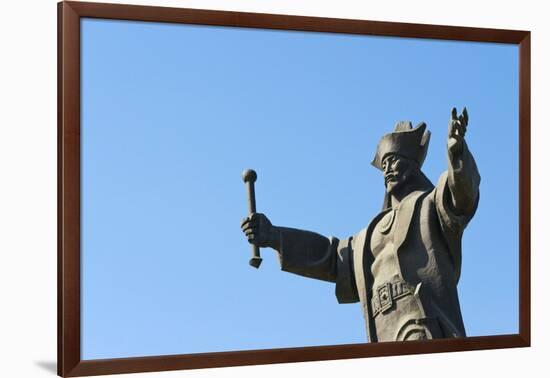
{"points": [[384, 297]]}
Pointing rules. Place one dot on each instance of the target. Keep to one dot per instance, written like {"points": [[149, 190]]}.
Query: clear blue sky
{"points": [[172, 114]]}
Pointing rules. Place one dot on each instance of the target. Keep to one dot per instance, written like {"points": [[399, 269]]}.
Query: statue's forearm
{"points": [[285, 237], [463, 180], [305, 253]]}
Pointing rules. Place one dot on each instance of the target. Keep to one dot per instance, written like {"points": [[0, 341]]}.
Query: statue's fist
{"points": [[258, 230]]}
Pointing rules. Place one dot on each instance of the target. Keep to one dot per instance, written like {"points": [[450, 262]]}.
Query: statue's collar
{"points": [[408, 197]]}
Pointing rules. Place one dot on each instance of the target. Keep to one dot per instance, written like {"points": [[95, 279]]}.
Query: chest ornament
{"points": [[387, 221]]}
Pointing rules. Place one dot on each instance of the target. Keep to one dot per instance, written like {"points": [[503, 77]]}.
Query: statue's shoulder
{"points": [[429, 194], [357, 239], [361, 234]]}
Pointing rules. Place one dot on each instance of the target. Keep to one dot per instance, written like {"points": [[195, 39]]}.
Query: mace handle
{"points": [[249, 177]]}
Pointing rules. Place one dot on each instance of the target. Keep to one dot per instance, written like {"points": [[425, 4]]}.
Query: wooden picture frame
{"points": [[70, 362]]}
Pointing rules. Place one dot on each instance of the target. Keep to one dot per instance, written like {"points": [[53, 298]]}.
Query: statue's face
{"points": [[397, 171]]}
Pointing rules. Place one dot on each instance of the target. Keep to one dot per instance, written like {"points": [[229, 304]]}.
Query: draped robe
{"points": [[427, 250]]}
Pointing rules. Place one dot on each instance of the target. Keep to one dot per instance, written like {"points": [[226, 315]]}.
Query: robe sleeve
{"points": [[312, 255], [463, 182], [461, 179]]}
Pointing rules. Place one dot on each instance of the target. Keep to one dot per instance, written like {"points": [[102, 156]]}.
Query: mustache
{"points": [[390, 177]]}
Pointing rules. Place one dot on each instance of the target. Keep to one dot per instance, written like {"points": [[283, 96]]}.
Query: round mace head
{"points": [[249, 175]]}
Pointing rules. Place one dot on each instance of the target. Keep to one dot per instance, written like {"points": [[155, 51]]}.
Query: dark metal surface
{"points": [[249, 178]]}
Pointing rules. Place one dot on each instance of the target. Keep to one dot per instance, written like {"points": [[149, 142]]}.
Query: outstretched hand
{"points": [[457, 131]]}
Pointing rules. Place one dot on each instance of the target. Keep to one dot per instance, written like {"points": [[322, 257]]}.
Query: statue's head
{"points": [[400, 155], [398, 171]]}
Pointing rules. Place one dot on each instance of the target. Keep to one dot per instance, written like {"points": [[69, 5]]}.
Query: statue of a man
{"points": [[404, 267]]}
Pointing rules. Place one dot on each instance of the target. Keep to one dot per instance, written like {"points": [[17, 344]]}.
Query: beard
{"points": [[394, 182]]}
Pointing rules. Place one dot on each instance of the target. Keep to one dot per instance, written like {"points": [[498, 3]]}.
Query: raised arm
{"points": [[463, 176]]}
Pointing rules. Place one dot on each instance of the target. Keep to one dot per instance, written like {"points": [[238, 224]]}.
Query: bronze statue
{"points": [[404, 267]]}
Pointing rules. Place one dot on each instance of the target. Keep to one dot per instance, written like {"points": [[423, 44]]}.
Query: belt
{"points": [[385, 294]]}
